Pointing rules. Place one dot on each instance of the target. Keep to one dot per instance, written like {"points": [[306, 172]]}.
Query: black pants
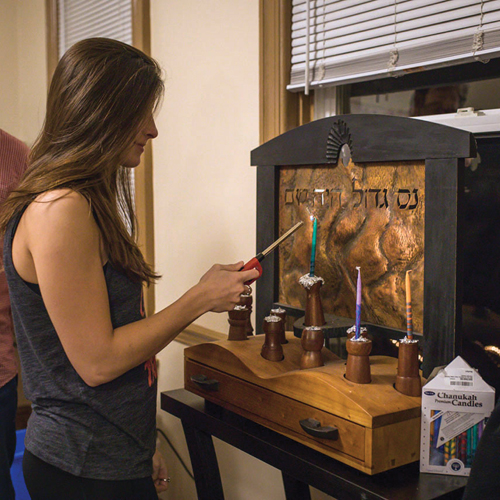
{"points": [[46, 482], [8, 406]]}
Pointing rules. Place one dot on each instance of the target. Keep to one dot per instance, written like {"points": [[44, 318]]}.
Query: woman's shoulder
{"points": [[64, 195], [56, 227], [60, 200], [59, 207]]}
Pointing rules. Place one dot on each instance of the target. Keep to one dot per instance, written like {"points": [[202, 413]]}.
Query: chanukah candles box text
{"points": [[456, 405]]}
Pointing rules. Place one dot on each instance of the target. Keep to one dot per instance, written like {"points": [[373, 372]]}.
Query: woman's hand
{"points": [[224, 284], [160, 473]]}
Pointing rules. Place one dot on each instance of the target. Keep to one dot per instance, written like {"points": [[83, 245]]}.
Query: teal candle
{"points": [[313, 247], [358, 304]]}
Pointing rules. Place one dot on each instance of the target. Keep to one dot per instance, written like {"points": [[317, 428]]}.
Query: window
{"points": [[399, 57], [127, 20], [372, 66], [80, 19], [338, 42], [434, 95]]}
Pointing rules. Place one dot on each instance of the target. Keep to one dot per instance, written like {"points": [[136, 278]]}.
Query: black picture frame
{"points": [[380, 138]]}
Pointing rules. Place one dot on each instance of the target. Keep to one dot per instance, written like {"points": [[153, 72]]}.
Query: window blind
{"points": [[80, 19], [356, 40]]}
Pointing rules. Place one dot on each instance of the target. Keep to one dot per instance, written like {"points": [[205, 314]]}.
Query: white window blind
{"points": [[356, 40], [80, 19]]}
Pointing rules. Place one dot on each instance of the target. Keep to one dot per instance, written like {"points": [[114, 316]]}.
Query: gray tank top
{"points": [[104, 432]]}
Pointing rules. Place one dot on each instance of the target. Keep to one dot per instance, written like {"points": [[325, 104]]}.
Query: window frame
{"points": [[280, 110]]}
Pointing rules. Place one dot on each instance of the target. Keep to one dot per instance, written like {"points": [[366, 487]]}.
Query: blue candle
{"points": [[358, 304], [313, 247]]}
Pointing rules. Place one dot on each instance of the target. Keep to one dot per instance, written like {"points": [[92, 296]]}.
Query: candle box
{"points": [[456, 405]]}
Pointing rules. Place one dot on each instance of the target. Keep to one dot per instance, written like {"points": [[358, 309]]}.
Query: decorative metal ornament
{"points": [[339, 143]]}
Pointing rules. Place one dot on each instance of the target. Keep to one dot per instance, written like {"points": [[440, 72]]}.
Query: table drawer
{"points": [[274, 410]]}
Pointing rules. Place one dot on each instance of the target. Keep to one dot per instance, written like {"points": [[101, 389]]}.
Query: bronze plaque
{"points": [[369, 215]]}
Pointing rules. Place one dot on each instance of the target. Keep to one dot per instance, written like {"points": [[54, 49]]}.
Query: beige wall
{"points": [[23, 84], [9, 79], [204, 187]]}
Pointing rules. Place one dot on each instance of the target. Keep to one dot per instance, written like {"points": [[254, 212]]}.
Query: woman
{"points": [[75, 277]]}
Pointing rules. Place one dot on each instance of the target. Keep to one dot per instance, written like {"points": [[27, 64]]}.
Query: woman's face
{"points": [[132, 156]]}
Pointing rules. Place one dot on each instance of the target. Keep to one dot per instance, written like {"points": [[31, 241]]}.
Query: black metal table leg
{"points": [[204, 462], [295, 489], [202, 420]]}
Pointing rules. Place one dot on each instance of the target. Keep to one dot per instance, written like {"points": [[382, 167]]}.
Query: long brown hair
{"points": [[101, 93]]}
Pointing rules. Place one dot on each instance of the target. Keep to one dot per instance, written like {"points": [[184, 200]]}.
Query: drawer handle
{"points": [[314, 428], [205, 383]]}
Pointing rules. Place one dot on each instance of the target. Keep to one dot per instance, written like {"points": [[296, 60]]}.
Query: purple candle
{"points": [[358, 304]]}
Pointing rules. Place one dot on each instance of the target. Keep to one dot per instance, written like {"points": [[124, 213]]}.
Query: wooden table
{"points": [[301, 466]]}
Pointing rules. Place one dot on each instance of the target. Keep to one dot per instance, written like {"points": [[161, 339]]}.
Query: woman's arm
{"points": [[62, 238]]}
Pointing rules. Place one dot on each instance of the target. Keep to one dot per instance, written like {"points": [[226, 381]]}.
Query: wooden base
{"points": [[378, 427]]}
